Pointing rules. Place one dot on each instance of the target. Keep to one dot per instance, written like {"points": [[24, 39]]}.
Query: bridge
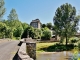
{"points": [[25, 49]]}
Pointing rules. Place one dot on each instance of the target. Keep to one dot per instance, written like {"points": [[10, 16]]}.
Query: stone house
{"points": [[36, 23]]}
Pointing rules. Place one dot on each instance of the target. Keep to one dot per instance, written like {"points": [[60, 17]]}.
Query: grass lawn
{"points": [[47, 45], [43, 45]]}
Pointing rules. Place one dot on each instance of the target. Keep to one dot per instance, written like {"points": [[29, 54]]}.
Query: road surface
{"points": [[8, 50]]}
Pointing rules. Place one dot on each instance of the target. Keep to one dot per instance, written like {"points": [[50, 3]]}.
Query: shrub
{"points": [[58, 47], [46, 35], [74, 41], [79, 45]]}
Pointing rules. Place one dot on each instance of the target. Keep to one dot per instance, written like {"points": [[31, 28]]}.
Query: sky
{"points": [[44, 10]]}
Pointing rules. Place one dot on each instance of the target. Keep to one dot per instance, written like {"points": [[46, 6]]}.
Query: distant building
{"points": [[54, 37], [77, 34], [36, 23]]}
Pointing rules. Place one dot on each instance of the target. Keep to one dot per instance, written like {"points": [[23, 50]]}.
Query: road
{"points": [[8, 50]]}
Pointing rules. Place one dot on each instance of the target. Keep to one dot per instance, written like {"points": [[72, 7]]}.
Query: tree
{"points": [[15, 28], [46, 34], [29, 31], [2, 9], [14, 23], [49, 25], [9, 33], [3, 29], [37, 33], [18, 31], [65, 21], [24, 25], [43, 25], [13, 15]]}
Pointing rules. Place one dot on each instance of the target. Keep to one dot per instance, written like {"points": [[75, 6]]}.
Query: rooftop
{"points": [[36, 20]]}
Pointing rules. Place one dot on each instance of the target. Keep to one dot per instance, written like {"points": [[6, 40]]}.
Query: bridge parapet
{"points": [[27, 50]]}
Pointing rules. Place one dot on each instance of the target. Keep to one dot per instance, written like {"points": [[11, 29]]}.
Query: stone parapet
{"points": [[22, 54]]}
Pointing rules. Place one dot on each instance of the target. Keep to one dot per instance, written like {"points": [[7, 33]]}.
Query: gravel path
{"points": [[8, 50]]}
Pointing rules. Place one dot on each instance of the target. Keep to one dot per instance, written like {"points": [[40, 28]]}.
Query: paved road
{"points": [[8, 50]]}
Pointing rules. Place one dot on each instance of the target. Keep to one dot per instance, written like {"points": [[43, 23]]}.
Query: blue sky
{"points": [[44, 10]]}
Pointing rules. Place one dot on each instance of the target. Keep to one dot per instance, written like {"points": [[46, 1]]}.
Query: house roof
{"points": [[36, 20], [77, 34]]}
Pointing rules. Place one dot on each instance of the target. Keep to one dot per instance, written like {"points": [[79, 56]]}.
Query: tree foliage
{"points": [[2, 9], [3, 29], [43, 25], [13, 15], [65, 21], [24, 25], [14, 28], [29, 31], [37, 33], [49, 25], [46, 34], [18, 31]]}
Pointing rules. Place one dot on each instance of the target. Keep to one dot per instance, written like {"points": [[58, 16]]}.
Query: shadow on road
{"points": [[16, 56]]}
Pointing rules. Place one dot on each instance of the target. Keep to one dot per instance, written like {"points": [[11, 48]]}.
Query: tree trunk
{"points": [[66, 39]]}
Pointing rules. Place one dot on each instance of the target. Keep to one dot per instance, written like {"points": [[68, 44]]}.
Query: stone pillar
{"points": [[31, 50]]}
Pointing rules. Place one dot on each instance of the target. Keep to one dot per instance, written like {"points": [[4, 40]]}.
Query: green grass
{"points": [[50, 47], [43, 45], [46, 45], [16, 38]]}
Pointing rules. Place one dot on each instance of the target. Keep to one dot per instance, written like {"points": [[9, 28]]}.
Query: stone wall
{"points": [[31, 50], [22, 55]]}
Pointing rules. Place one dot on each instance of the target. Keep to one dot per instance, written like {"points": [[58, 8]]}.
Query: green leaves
{"points": [[13, 15], [3, 29], [65, 20], [2, 9], [18, 32], [48, 25], [46, 34]]}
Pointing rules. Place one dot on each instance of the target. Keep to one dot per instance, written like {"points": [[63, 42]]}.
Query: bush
{"points": [[58, 47], [79, 45], [74, 41], [46, 35]]}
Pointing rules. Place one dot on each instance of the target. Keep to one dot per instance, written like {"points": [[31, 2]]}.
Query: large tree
{"points": [[49, 25], [2, 9], [65, 21], [13, 15]]}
